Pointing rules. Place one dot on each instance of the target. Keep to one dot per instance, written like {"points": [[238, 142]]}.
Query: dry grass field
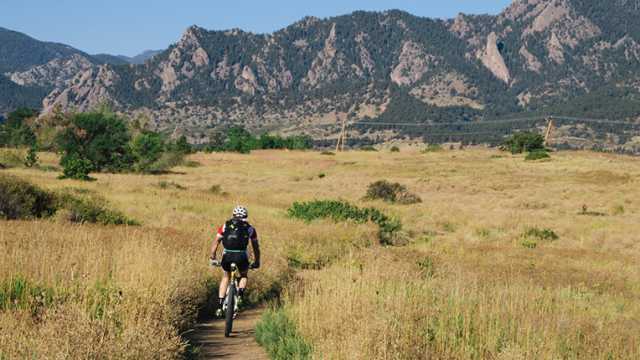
{"points": [[481, 278]]}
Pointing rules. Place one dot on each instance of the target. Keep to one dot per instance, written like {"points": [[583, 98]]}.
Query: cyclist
{"points": [[235, 236]]}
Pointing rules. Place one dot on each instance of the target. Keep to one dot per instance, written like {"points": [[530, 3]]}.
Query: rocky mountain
{"points": [[30, 69], [568, 57]]}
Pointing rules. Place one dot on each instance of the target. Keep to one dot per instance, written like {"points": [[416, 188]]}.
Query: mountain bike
{"points": [[230, 305]]}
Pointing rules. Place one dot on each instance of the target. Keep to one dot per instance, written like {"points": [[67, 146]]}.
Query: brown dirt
{"points": [[209, 337]]}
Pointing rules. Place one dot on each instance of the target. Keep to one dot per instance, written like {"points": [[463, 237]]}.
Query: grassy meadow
{"points": [[507, 259]]}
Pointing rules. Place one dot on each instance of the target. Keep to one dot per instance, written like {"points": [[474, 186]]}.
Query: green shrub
{"points": [[391, 192], [31, 159], [540, 234], [217, 190], [89, 208], [368, 148], [343, 211], [394, 149], [74, 167], [537, 155], [329, 153], [529, 244], [431, 148], [278, 334], [22, 200], [523, 141]]}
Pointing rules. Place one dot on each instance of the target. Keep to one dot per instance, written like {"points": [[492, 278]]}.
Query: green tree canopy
{"points": [[100, 137]]}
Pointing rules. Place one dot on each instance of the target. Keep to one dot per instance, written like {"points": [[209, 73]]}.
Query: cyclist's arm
{"points": [[255, 245], [215, 245]]}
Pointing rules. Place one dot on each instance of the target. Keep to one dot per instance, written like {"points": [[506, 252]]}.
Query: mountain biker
{"points": [[235, 236]]}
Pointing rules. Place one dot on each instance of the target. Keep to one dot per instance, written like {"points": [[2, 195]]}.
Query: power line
{"points": [[455, 123], [488, 122]]}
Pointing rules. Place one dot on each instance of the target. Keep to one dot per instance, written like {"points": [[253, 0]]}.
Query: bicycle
{"points": [[230, 305]]}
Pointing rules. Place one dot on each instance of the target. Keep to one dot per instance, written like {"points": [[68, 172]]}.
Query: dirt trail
{"points": [[209, 337]]}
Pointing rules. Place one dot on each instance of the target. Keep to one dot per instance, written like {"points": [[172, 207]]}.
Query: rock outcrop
{"points": [[493, 60]]}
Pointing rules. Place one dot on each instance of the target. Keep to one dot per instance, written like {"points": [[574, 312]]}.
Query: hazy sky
{"points": [[129, 26]]}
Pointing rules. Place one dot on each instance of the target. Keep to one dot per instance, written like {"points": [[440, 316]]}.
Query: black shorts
{"points": [[241, 260]]}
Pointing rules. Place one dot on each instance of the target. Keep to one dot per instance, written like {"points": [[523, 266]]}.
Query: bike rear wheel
{"points": [[231, 306]]}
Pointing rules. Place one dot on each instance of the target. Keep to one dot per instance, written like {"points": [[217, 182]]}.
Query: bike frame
{"points": [[234, 280]]}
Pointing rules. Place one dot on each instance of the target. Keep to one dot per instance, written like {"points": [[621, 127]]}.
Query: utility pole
{"points": [[343, 135], [547, 135]]}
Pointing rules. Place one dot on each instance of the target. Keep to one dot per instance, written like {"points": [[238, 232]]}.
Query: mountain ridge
{"points": [[535, 56]]}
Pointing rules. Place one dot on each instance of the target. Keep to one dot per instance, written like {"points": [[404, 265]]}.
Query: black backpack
{"points": [[236, 235]]}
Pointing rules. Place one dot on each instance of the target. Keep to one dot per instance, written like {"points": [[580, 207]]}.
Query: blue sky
{"points": [[129, 26]]}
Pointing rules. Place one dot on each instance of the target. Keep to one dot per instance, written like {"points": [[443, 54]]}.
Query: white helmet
{"points": [[240, 212]]}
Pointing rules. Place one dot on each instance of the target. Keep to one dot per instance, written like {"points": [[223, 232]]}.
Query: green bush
{"points": [[22, 200], [537, 155], [329, 153], [278, 334], [431, 148], [523, 141], [368, 148], [343, 211], [394, 149], [88, 208], [216, 190], [540, 234], [31, 159], [74, 167], [391, 192]]}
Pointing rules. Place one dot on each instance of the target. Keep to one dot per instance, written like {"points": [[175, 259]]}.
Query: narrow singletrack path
{"points": [[209, 337]]}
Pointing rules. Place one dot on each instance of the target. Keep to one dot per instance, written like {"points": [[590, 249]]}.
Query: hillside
{"points": [[30, 68], [536, 57]]}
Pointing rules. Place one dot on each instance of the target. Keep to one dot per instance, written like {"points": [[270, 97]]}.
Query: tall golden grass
{"points": [[466, 286]]}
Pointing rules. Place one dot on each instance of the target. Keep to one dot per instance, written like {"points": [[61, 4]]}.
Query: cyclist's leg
{"points": [[243, 282], [224, 283]]}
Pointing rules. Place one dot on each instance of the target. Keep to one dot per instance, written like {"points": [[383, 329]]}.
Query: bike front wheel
{"points": [[231, 306]]}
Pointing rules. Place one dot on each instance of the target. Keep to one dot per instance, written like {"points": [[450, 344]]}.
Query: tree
{"points": [[147, 148], [524, 141], [102, 138], [183, 146], [15, 132], [240, 140], [31, 159]]}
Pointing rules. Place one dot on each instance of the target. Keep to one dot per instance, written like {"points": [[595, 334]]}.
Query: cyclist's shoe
{"points": [[219, 313]]}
